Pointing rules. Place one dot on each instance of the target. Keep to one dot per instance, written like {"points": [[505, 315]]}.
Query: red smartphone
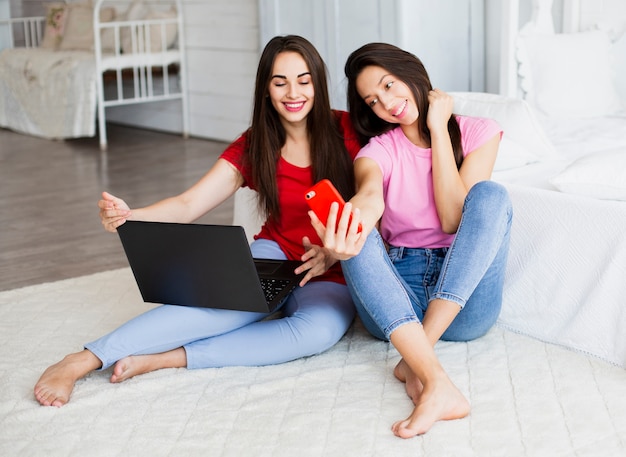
{"points": [[321, 196]]}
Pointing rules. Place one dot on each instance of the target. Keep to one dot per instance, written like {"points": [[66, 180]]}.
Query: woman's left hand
{"points": [[440, 109], [316, 259]]}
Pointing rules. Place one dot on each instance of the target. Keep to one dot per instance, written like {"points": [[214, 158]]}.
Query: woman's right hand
{"points": [[113, 211]]}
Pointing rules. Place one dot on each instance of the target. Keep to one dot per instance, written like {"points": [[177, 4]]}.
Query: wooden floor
{"points": [[49, 223]]}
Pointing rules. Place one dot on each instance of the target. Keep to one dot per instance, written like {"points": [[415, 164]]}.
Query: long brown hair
{"points": [[409, 69], [266, 135]]}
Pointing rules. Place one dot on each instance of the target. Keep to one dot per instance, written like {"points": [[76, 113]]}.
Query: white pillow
{"points": [[601, 175], [523, 140], [78, 32], [568, 75]]}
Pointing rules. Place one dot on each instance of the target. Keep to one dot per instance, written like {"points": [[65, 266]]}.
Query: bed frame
{"points": [[141, 65], [142, 76]]}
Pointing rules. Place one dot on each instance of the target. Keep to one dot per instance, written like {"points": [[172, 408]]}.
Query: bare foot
{"points": [[135, 365], [56, 383], [438, 400], [130, 366], [413, 385]]}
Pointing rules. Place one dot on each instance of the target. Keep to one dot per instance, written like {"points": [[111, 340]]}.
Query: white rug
{"points": [[528, 398]]}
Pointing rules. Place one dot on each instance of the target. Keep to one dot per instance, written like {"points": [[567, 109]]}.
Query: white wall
{"points": [[335, 27], [222, 42], [222, 51], [449, 37]]}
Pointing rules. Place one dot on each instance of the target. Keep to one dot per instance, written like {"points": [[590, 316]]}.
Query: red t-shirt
{"points": [[293, 182]]}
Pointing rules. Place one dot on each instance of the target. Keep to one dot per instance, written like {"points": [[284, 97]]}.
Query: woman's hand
{"points": [[316, 259], [113, 211], [440, 109], [350, 234]]}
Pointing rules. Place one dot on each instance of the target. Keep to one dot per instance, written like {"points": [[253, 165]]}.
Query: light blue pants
{"points": [[314, 318], [392, 289]]}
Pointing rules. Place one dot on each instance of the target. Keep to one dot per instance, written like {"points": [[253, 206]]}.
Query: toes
{"points": [[58, 403], [43, 398], [49, 398], [402, 430]]}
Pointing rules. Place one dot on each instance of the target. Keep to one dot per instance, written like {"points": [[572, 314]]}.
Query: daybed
{"points": [[563, 160], [80, 59]]}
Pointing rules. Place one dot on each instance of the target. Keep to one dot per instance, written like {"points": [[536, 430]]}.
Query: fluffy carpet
{"points": [[528, 398]]}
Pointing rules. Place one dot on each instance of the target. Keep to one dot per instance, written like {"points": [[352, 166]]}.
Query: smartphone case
{"points": [[321, 196]]}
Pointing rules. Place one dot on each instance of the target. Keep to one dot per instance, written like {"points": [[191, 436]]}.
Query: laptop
{"points": [[202, 265]]}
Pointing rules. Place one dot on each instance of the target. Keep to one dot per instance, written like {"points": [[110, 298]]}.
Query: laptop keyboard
{"points": [[272, 287]]}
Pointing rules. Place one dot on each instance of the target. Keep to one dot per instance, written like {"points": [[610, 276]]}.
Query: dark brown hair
{"points": [[410, 70], [266, 135]]}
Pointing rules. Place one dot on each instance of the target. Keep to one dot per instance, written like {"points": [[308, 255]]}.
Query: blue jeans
{"points": [[314, 318], [394, 288]]}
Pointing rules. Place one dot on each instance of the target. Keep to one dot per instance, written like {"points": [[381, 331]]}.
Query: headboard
{"points": [[584, 33]]}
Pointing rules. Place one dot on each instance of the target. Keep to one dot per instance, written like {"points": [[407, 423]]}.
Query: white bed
{"points": [[62, 71]]}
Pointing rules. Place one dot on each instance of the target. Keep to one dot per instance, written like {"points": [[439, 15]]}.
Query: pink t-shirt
{"points": [[410, 217]]}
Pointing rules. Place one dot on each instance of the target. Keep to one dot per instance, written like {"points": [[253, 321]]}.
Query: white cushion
{"points": [[523, 141], [78, 33], [600, 175], [569, 75]]}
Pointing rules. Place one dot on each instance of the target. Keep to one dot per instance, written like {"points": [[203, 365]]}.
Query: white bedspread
{"points": [[566, 274], [48, 94], [528, 398]]}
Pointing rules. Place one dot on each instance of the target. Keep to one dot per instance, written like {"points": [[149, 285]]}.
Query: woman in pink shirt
{"points": [[435, 269]]}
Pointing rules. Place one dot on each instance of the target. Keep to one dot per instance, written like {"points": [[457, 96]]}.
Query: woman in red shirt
{"points": [[294, 140]]}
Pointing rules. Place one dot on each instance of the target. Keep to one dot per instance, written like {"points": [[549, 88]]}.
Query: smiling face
{"points": [[291, 87], [389, 97]]}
